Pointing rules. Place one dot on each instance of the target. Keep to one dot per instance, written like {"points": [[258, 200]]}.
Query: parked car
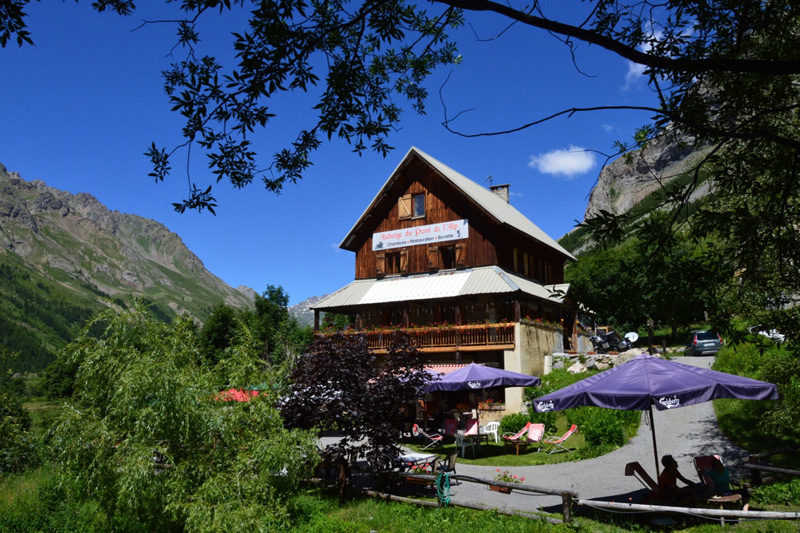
{"points": [[704, 343]]}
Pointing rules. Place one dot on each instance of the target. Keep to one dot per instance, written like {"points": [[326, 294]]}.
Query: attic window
{"points": [[419, 205]]}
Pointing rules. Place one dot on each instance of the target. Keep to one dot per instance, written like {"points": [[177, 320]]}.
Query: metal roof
{"points": [[438, 285], [501, 210]]}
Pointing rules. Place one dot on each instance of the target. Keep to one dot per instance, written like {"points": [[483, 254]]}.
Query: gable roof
{"points": [[490, 202]]}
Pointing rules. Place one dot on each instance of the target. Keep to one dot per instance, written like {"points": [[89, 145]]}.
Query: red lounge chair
{"points": [[558, 444], [431, 439], [530, 434]]}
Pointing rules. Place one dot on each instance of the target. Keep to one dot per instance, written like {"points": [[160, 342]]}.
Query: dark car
{"points": [[704, 343]]}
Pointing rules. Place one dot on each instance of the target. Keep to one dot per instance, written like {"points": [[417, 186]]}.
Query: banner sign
{"points": [[398, 238]]}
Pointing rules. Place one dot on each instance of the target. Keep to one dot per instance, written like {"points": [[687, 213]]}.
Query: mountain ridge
{"points": [[53, 242]]}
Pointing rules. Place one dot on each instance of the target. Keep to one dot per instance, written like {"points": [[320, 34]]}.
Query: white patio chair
{"points": [[491, 429]]}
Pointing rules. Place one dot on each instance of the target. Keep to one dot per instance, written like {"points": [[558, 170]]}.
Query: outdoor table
{"points": [[410, 459]]}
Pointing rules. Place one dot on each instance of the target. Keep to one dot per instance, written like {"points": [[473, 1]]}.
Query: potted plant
{"points": [[506, 477], [491, 405], [419, 469]]}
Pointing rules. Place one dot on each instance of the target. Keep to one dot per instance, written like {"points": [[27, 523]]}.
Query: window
{"points": [[392, 263], [419, 205], [396, 263], [448, 257]]}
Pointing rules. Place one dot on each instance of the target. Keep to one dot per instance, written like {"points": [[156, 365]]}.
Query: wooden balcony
{"points": [[448, 338]]}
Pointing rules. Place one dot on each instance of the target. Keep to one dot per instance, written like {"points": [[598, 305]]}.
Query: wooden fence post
{"points": [[566, 506], [755, 474]]}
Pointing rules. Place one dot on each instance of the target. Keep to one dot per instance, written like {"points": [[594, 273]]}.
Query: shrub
{"points": [[781, 493], [603, 427], [513, 423], [557, 379], [778, 419]]}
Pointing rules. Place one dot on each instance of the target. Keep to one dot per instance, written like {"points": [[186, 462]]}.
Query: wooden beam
{"points": [[716, 513]]}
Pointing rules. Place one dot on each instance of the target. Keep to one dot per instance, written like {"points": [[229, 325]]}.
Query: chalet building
{"points": [[465, 273]]}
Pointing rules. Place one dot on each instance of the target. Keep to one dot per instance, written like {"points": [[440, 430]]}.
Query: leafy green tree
{"points": [[18, 449], [147, 436], [335, 322], [656, 273], [217, 332], [282, 336], [737, 59]]}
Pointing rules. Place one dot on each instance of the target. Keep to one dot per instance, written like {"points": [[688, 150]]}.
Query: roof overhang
{"points": [[437, 286]]}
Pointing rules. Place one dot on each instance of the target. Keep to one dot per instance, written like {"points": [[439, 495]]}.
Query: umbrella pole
{"points": [[653, 431]]}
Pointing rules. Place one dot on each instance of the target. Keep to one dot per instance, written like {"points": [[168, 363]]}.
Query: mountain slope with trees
{"points": [[64, 257]]}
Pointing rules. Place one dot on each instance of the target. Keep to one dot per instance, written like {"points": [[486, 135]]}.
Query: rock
{"points": [[577, 368]]}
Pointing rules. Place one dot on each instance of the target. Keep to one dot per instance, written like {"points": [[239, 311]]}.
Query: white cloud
{"points": [[636, 71], [608, 128], [634, 75], [568, 163]]}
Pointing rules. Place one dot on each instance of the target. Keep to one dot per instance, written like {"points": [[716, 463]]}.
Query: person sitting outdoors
{"points": [[668, 483], [720, 477]]}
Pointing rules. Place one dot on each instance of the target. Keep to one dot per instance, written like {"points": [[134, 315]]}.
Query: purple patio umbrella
{"points": [[473, 377], [647, 381]]}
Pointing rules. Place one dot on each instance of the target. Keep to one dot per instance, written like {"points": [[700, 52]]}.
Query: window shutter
{"points": [[461, 257], [433, 257], [380, 264], [404, 207], [404, 261]]}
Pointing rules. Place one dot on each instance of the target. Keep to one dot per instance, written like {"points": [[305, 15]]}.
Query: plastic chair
{"points": [[463, 443], [558, 443], [491, 429], [449, 465]]}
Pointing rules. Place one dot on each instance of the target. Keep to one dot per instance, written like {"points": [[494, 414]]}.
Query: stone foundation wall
{"points": [[527, 357]]}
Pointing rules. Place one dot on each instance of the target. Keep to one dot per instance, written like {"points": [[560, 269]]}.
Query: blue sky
{"points": [[81, 106]]}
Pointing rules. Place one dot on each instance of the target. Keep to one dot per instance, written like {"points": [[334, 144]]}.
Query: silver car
{"points": [[704, 343]]}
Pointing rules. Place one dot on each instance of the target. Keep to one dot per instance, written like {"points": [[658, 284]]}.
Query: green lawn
{"points": [[496, 454]]}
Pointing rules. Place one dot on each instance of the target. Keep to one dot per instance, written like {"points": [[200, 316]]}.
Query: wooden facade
{"points": [[489, 242]]}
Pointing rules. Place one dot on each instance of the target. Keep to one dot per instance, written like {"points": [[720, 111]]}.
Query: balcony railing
{"points": [[442, 338]]}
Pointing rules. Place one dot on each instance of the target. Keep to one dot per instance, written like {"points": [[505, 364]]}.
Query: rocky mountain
{"points": [[57, 248], [640, 177], [627, 181], [302, 311]]}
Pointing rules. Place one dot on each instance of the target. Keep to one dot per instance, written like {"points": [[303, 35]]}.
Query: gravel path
{"points": [[683, 433]]}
